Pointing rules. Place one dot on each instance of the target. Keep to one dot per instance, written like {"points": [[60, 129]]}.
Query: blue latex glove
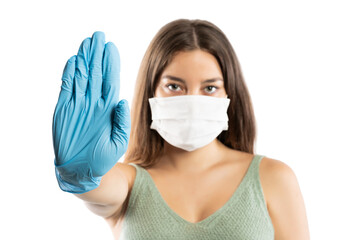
{"points": [[90, 128]]}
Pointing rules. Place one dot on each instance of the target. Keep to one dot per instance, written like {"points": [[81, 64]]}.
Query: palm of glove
{"points": [[90, 128]]}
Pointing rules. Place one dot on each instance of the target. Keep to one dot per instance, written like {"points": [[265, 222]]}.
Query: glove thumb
{"points": [[121, 125]]}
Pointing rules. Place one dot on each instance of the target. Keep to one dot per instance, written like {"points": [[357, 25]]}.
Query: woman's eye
{"points": [[211, 88], [173, 87], [176, 88]]}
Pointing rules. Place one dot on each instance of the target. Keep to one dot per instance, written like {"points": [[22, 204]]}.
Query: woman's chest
{"points": [[196, 197]]}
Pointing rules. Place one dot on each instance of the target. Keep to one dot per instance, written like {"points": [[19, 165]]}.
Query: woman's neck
{"points": [[199, 160]]}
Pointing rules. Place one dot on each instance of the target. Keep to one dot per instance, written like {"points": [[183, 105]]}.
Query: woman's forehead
{"points": [[193, 64]]}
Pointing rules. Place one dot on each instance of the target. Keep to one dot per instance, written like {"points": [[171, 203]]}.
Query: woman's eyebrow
{"points": [[183, 81]]}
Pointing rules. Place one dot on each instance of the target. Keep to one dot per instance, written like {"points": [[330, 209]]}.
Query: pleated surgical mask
{"points": [[189, 122]]}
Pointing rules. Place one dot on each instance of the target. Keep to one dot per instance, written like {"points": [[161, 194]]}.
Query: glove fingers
{"points": [[121, 125], [67, 80], [82, 68], [111, 74], [95, 66]]}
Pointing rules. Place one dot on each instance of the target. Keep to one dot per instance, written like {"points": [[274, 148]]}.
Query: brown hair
{"points": [[145, 144]]}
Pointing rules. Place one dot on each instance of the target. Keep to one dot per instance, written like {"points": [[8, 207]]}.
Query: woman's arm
{"points": [[284, 199], [108, 198]]}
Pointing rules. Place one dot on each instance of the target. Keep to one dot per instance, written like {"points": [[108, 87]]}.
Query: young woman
{"points": [[190, 171]]}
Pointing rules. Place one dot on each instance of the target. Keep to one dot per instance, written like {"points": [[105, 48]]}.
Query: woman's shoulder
{"points": [[274, 174], [282, 192], [284, 199], [270, 167], [128, 171], [273, 171]]}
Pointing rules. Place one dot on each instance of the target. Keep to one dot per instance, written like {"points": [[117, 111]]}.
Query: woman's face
{"points": [[191, 73]]}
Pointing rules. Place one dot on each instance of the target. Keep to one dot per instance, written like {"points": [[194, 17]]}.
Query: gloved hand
{"points": [[90, 128]]}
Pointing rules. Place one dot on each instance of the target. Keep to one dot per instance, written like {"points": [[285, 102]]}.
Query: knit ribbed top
{"points": [[243, 216]]}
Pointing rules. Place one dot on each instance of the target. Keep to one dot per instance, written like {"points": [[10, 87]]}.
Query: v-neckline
{"points": [[213, 216]]}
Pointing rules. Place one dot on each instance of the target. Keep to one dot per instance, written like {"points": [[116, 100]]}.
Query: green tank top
{"points": [[244, 215]]}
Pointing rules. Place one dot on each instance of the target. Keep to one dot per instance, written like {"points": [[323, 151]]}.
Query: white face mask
{"points": [[189, 121]]}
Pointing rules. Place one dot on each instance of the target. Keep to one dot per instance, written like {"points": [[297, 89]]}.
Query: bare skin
{"points": [[195, 198], [214, 165]]}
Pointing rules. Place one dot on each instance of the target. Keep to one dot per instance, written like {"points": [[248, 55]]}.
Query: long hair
{"points": [[145, 144]]}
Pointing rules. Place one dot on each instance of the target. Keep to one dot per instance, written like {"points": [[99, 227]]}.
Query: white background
{"points": [[301, 63]]}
